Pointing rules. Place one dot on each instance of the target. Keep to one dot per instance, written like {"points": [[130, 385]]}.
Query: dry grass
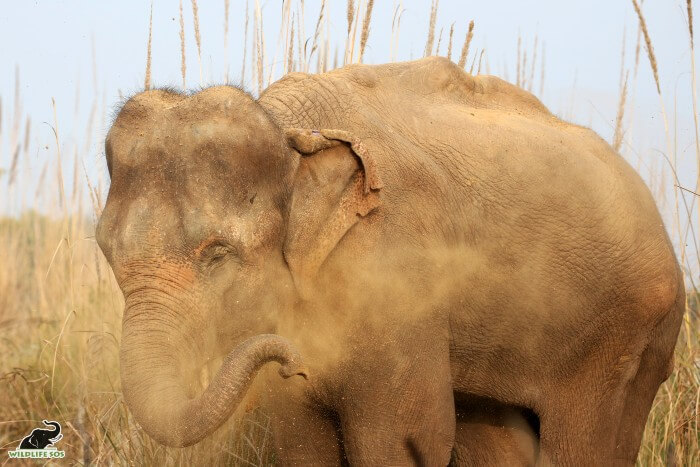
{"points": [[197, 38], [650, 48], [60, 308], [183, 59], [351, 19], [531, 80], [694, 89], [395, 30], [59, 164], [290, 53], [147, 80], [449, 43], [245, 42], [465, 47], [259, 47], [431, 29], [318, 31], [619, 120], [227, 7], [350, 46], [365, 28], [619, 130]]}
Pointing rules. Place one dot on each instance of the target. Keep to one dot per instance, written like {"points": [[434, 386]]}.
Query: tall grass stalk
{"points": [[618, 135], [439, 42], [431, 29], [449, 43], [350, 16], [259, 47], [317, 35], [226, 17], [365, 29], [147, 79], [531, 79], [395, 30], [59, 162], [183, 59], [361, 6], [465, 48], [619, 130], [542, 72], [245, 42], [518, 66], [694, 89], [290, 49], [280, 47], [288, 40], [197, 38]]}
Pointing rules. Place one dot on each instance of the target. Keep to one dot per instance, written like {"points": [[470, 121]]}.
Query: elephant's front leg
{"points": [[304, 433], [401, 412]]}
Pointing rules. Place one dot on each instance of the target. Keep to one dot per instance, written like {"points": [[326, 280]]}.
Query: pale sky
{"points": [[51, 44]]}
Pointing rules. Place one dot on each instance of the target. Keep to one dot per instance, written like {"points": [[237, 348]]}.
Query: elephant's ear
{"points": [[335, 186]]}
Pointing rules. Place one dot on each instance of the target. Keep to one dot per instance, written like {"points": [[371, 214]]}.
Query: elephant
{"points": [[444, 271], [41, 438]]}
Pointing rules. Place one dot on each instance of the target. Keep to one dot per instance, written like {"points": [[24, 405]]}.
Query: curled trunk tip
{"points": [[156, 393]]}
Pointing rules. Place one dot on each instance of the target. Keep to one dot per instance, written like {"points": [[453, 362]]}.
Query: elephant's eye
{"points": [[216, 253]]}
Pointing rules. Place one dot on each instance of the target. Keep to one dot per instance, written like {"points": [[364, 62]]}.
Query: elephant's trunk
{"points": [[155, 389]]}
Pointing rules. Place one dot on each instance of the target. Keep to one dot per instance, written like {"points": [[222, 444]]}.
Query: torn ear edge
{"points": [[321, 215], [309, 142]]}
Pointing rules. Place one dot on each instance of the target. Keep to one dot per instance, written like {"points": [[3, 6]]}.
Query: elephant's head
{"points": [[214, 225]]}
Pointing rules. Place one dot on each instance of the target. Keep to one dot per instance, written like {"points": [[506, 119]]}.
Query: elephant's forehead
{"points": [[188, 142], [155, 108], [219, 122], [200, 165]]}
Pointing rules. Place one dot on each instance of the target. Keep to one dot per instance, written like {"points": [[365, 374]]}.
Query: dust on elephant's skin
{"points": [[445, 271]]}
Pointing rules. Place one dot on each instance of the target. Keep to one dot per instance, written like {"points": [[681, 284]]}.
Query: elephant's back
{"points": [[335, 96], [429, 125], [467, 157]]}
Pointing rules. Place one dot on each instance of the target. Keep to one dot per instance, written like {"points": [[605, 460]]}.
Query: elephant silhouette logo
{"points": [[40, 443]]}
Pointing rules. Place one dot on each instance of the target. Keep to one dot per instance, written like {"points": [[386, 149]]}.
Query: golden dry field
{"points": [[60, 307]]}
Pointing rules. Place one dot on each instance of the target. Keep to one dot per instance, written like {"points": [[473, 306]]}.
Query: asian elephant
{"points": [[445, 271]]}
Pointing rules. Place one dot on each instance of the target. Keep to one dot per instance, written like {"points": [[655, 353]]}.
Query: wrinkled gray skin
{"points": [[445, 271]]}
